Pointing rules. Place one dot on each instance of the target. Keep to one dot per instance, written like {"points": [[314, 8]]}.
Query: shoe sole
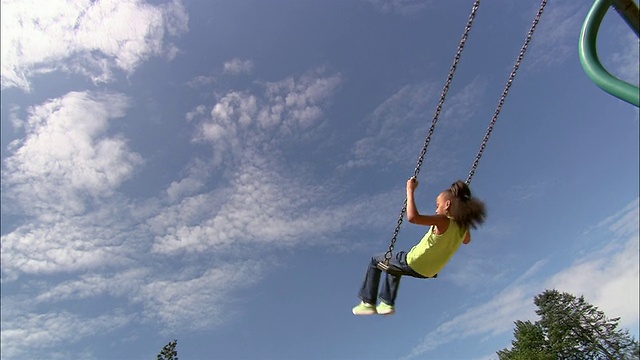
{"points": [[364, 314]]}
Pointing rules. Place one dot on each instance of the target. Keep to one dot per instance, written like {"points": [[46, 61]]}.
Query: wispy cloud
{"points": [[237, 66], [475, 273], [201, 80], [400, 124], [35, 333], [403, 7], [234, 66], [198, 171], [93, 285], [557, 37], [625, 61], [61, 246], [387, 129], [459, 108], [527, 191], [491, 318], [90, 38], [178, 299], [557, 34], [608, 278], [258, 208]]}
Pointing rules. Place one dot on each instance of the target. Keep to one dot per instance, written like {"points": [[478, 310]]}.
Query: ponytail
{"points": [[466, 210]]}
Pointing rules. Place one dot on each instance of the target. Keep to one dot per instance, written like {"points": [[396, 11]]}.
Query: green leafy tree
{"points": [[572, 329], [169, 351]]}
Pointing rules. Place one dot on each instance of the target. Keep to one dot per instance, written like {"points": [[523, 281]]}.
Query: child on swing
{"points": [[456, 212]]}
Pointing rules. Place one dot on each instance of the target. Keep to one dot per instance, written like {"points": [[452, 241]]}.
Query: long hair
{"points": [[466, 210]]}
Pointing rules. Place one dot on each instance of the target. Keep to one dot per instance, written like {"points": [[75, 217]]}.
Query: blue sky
{"points": [[220, 172]]}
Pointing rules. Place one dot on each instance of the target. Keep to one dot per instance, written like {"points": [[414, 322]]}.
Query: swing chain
{"points": [[505, 92], [445, 90], [494, 119]]}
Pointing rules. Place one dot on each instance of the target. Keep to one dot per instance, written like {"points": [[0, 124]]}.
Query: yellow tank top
{"points": [[433, 252]]}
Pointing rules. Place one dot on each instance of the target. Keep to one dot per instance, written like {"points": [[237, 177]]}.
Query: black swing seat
{"points": [[394, 271], [388, 269]]}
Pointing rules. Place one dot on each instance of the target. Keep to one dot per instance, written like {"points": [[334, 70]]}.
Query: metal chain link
{"points": [[445, 90], [505, 92]]}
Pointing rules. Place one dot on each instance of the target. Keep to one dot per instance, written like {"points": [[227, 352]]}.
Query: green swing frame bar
{"points": [[591, 64]]}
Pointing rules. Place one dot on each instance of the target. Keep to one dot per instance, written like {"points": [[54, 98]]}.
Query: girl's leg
{"points": [[389, 289], [369, 290], [391, 283]]}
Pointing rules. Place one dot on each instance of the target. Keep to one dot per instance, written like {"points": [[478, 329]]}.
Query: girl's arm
{"points": [[440, 221], [467, 238]]}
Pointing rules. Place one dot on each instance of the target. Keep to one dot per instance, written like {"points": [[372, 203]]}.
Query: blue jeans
{"points": [[391, 283]]}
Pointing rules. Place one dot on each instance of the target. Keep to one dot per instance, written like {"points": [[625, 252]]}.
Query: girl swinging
{"points": [[456, 209], [456, 212]]}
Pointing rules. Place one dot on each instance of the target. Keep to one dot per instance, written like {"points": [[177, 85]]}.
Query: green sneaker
{"points": [[364, 309], [385, 309]]}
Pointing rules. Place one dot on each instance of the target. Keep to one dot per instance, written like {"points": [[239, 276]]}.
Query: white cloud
{"points": [[201, 80], [106, 237], [237, 66], [197, 302], [195, 113], [488, 319], [400, 124], [33, 333], [295, 104], [198, 173], [233, 67], [492, 356], [92, 285], [460, 106], [476, 273], [388, 128], [241, 120], [226, 128], [556, 40], [403, 7], [92, 36], [625, 61], [66, 158], [189, 298], [66, 165], [608, 278], [527, 191], [556, 37], [258, 208]]}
